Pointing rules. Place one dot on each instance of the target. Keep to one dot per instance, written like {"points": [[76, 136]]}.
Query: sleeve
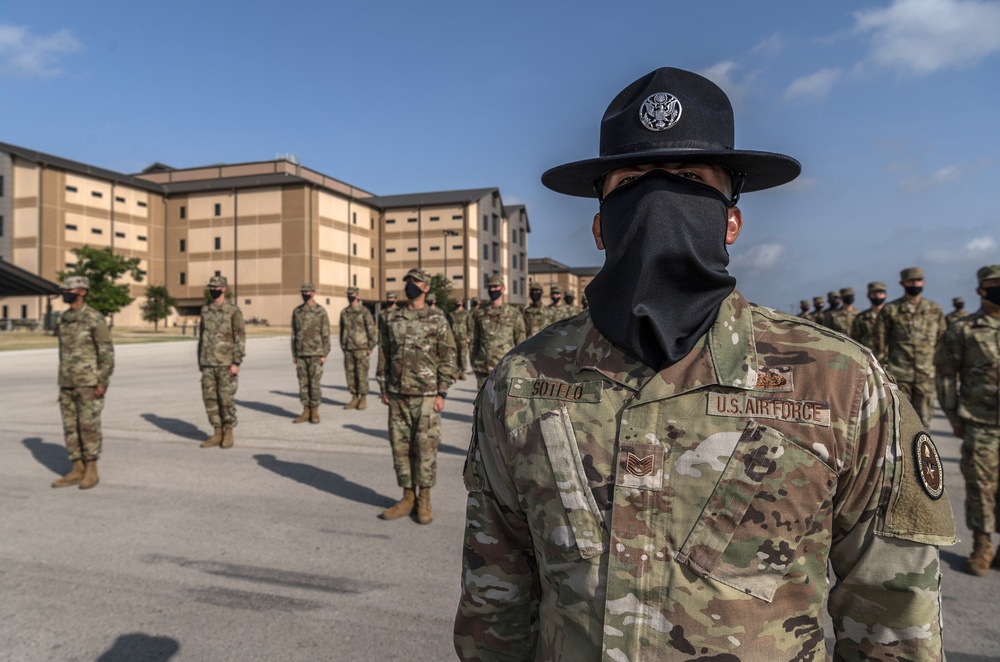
{"points": [[343, 329], [105, 352], [887, 600], [325, 332], [201, 335], [519, 330], [881, 334], [476, 340], [497, 611], [855, 331], [239, 337], [370, 329], [947, 368], [384, 360], [295, 327], [446, 357], [942, 326]]}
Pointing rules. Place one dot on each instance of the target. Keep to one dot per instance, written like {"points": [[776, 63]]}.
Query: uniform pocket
{"points": [[771, 494]]}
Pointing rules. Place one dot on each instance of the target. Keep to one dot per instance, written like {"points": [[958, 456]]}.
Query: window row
{"points": [[99, 194]]}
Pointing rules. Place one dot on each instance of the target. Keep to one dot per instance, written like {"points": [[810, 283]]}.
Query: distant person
{"points": [[863, 326], [86, 362], [536, 315], [833, 304], [496, 329], [557, 310], [358, 337], [841, 318], [804, 306], [572, 309], [959, 304], [221, 348], [432, 300], [461, 328], [968, 381], [310, 347], [817, 314]]}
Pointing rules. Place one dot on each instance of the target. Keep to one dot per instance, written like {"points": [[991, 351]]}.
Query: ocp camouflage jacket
{"points": [[618, 513], [310, 330], [222, 335], [416, 353], [495, 331], [863, 328], [357, 329], [968, 370], [906, 335], [86, 355]]}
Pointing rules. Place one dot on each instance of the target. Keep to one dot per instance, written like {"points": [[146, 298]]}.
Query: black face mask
{"points": [[536, 295], [848, 300], [569, 300], [413, 291], [495, 294], [992, 294], [913, 290], [390, 303], [877, 301], [664, 275], [305, 297], [351, 298], [69, 297], [215, 294]]}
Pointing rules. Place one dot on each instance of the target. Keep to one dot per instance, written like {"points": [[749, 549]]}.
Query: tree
{"points": [[442, 290], [103, 269], [158, 305]]}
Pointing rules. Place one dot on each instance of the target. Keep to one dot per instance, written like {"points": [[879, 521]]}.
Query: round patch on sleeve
{"points": [[929, 465]]}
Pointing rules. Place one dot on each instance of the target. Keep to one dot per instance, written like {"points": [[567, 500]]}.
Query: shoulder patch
{"points": [[929, 467], [774, 378], [555, 390]]}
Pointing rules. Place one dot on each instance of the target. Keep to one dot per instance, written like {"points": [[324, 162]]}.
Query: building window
{"points": [[141, 237], [183, 278], [373, 283], [70, 226], [435, 218], [1, 195], [142, 272], [218, 243], [96, 231], [390, 250], [119, 199], [71, 189], [513, 262], [354, 217], [24, 312], [390, 280], [5, 312], [486, 222], [373, 257], [486, 251], [390, 221], [513, 236], [1, 233], [71, 265], [514, 285], [354, 249], [96, 194], [120, 235], [435, 248], [457, 277], [218, 209], [354, 280], [456, 217], [411, 220], [496, 224], [246, 302], [373, 227], [411, 249], [183, 245], [457, 247], [521, 233], [218, 273], [496, 252], [141, 204], [183, 212]]}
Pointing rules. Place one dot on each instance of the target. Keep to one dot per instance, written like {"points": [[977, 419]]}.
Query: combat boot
{"points": [[314, 415], [401, 508], [89, 475], [227, 439], [73, 477], [982, 553], [353, 404], [424, 513], [304, 416], [363, 402], [214, 440]]}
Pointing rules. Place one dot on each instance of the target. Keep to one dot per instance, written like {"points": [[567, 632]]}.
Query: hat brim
{"points": [[763, 170]]}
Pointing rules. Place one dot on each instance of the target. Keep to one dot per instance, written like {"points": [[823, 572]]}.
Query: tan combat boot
{"points": [[314, 415], [89, 475], [214, 440], [363, 402], [73, 477], [424, 513], [353, 403], [227, 439], [402, 508], [982, 553], [304, 416]]}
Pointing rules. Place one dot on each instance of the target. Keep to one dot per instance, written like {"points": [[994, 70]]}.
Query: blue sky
{"points": [[890, 105]]}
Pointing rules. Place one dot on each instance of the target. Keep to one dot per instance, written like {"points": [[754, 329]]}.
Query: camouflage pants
{"points": [[461, 355], [981, 469], [218, 388], [921, 396], [81, 417], [310, 373], [414, 434], [356, 363]]}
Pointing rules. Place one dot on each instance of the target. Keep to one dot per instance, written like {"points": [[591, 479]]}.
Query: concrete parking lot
{"points": [[271, 550]]}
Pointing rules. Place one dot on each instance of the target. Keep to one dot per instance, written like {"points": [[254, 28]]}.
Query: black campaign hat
{"points": [[667, 116]]}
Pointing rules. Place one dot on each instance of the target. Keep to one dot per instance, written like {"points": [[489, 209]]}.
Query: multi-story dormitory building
{"points": [[548, 272], [267, 226]]}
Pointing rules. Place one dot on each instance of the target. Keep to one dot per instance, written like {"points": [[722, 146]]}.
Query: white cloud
{"points": [[917, 37], [813, 87], [26, 55], [951, 173], [772, 44], [976, 250], [759, 258], [722, 74]]}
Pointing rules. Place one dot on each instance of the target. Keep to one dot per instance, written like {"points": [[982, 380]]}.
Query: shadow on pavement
{"points": [[176, 426], [139, 646], [464, 418], [273, 410], [954, 561], [371, 432], [323, 480], [326, 401], [51, 456], [452, 450]]}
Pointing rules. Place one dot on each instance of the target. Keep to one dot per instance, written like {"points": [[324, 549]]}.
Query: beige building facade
{"points": [[547, 272]]}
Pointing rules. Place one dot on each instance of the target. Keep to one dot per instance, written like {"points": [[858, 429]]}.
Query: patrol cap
{"points": [[818, 301], [958, 301], [431, 297], [76, 282], [308, 287], [494, 281], [418, 274], [218, 281], [556, 290], [390, 295], [350, 290], [912, 273], [833, 294], [534, 287], [847, 291], [876, 286], [988, 273], [804, 303]]}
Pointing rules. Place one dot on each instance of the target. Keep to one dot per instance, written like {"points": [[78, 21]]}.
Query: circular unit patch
{"points": [[929, 465]]}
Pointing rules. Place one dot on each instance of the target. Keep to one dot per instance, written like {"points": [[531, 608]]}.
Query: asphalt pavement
{"points": [[271, 550]]}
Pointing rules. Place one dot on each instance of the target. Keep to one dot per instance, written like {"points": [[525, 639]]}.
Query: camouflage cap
{"points": [[818, 301], [308, 287], [989, 272], [353, 290], [958, 301], [218, 281], [804, 303], [833, 294], [76, 282], [556, 290], [431, 297], [876, 286], [494, 281], [912, 273], [534, 287], [847, 291], [391, 296], [418, 274]]}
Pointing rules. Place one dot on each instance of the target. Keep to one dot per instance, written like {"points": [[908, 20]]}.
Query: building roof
{"points": [[431, 199], [77, 167], [15, 281], [585, 271], [545, 265]]}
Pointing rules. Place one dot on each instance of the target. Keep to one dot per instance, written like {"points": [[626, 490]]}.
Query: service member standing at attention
{"points": [[958, 313], [841, 318], [416, 365], [86, 361], [804, 308], [863, 326], [536, 315], [571, 308], [907, 331], [496, 328], [968, 383], [669, 476], [310, 347], [221, 347], [358, 336], [557, 309], [461, 330], [819, 303]]}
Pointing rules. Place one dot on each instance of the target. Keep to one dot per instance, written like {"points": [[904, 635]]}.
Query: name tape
{"points": [[547, 388]]}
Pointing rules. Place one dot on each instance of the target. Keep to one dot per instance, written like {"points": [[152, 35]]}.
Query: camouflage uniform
{"points": [[804, 308], [536, 318], [958, 313], [611, 518], [461, 330], [86, 361], [495, 331], [358, 337], [863, 326], [416, 362], [841, 319], [817, 314], [221, 345], [310, 346]]}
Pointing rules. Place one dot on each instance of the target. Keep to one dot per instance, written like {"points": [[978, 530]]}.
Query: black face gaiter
{"points": [[664, 275], [992, 294], [913, 290], [536, 295], [412, 290]]}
